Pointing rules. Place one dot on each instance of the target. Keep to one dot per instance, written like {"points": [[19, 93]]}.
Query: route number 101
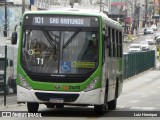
{"points": [[38, 20]]}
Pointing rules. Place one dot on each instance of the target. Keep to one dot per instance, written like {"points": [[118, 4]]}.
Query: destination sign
{"points": [[66, 21]]}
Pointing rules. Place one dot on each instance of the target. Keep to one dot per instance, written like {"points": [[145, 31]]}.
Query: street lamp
{"points": [[125, 18], [146, 12]]}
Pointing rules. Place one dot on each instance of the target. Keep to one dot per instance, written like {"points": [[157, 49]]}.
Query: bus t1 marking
{"points": [[40, 61]]}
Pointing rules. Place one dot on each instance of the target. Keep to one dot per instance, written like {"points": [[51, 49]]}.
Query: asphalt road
{"points": [[11, 98], [137, 41]]}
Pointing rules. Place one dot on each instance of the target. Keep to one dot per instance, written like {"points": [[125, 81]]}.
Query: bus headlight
{"points": [[24, 83], [92, 85]]}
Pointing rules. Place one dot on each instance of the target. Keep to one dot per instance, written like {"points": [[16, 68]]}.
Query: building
{"points": [[137, 13], [105, 5], [10, 16]]}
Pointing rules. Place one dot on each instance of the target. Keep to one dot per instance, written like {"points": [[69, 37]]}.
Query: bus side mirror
{"points": [[11, 63], [14, 38]]}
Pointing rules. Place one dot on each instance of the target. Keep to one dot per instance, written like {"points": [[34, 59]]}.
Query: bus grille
{"points": [[66, 79], [65, 97]]}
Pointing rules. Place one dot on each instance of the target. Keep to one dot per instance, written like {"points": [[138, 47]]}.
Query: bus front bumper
{"points": [[39, 96]]}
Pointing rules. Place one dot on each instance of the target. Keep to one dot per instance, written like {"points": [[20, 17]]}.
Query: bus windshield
{"points": [[60, 51]]}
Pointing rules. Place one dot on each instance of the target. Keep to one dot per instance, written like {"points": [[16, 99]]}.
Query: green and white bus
{"points": [[69, 57]]}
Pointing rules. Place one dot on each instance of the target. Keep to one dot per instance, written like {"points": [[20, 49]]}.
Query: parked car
{"points": [[144, 45], [154, 27], [134, 48], [158, 42], [10, 81], [148, 31], [150, 40], [157, 34]]}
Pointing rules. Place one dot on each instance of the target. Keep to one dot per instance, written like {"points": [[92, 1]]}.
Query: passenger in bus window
{"points": [[90, 51]]}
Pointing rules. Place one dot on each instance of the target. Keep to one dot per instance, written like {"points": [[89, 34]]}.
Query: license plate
{"points": [[56, 100]]}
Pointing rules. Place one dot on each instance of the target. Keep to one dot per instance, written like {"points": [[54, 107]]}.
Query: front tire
{"points": [[14, 90], [112, 104], [32, 107], [100, 109]]}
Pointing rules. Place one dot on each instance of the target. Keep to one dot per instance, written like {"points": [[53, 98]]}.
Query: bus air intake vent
{"points": [[65, 97]]}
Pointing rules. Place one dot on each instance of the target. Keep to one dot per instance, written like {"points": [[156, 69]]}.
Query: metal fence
{"points": [[135, 63]]}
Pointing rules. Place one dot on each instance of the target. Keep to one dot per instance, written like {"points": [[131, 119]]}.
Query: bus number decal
{"points": [[70, 87], [74, 87]]}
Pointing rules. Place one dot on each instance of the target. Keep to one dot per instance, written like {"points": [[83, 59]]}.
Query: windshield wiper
{"points": [[50, 39], [71, 38]]}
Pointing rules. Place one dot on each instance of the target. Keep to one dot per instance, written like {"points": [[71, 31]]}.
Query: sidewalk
{"points": [[5, 40], [15, 107], [128, 40]]}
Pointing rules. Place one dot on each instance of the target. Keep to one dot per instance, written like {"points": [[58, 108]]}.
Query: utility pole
{"points": [[72, 3], [5, 22], [136, 18], [146, 12], [100, 5], [159, 9], [23, 6]]}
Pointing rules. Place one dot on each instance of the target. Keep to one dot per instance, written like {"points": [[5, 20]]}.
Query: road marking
{"points": [[143, 108], [134, 101], [145, 96], [152, 91]]}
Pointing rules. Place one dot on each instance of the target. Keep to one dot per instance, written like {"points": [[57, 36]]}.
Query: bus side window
{"points": [[103, 46], [121, 45], [106, 42], [109, 42]]}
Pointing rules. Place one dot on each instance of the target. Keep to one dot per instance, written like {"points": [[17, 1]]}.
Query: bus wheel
{"points": [[32, 107], [14, 90], [112, 104], [100, 109]]}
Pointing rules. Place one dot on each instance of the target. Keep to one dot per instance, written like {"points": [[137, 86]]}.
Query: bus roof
{"points": [[74, 11], [70, 11]]}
